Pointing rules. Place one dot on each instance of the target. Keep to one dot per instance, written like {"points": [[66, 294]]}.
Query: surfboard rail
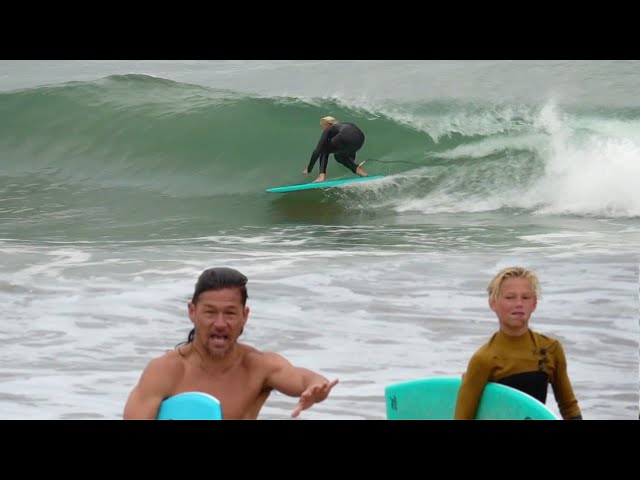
{"points": [[434, 398], [327, 184]]}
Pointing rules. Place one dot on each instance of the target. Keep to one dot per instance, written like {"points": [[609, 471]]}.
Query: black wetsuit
{"points": [[341, 139]]}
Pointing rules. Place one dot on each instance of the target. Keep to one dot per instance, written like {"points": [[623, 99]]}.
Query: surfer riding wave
{"points": [[343, 139]]}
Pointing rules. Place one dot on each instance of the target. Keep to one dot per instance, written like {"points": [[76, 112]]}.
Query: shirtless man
{"points": [[343, 140], [214, 362]]}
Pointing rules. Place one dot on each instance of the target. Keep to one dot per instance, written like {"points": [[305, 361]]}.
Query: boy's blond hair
{"points": [[512, 272]]}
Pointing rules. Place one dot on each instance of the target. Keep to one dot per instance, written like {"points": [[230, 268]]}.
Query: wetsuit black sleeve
{"points": [[323, 144]]}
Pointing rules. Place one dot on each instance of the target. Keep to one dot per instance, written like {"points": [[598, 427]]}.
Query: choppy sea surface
{"points": [[121, 181]]}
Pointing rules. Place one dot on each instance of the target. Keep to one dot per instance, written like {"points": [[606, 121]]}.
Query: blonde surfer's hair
{"points": [[512, 272], [328, 119]]}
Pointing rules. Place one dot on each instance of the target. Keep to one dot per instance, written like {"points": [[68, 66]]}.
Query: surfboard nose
{"points": [[190, 406]]}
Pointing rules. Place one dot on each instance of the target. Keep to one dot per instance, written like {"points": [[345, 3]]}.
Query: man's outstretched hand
{"points": [[314, 394]]}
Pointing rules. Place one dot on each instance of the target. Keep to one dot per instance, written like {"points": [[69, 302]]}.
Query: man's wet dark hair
{"points": [[218, 278]]}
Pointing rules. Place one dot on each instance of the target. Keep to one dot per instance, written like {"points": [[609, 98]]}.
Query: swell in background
{"points": [[134, 150]]}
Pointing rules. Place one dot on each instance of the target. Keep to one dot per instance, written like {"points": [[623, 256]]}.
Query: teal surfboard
{"points": [[190, 406], [435, 399], [327, 184]]}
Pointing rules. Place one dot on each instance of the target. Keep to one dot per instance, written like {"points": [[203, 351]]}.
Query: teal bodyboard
{"points": [[190, 406], [327, 184], [435, 399]]}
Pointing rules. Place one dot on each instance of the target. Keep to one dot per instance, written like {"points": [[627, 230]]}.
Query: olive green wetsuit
{"points": [[529, 362]]}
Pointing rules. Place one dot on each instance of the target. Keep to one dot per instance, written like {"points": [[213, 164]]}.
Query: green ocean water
{"points": [[121, 181], [126, 156]]}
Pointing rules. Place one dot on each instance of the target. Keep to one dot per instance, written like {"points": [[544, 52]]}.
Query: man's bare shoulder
{"points": [[170, 362], [255, 357]]}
